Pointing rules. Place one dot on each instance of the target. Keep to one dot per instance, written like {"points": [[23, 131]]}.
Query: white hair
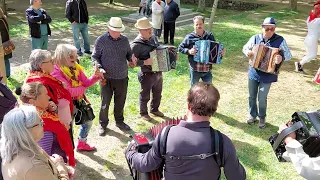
{"points": [[63, 53], [37, 57], [15, 136]]}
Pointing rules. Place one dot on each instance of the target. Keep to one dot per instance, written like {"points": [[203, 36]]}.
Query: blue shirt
{"points": [[43, 27], [275, 41]]}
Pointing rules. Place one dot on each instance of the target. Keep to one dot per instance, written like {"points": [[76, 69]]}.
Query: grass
{"points": [[291, 93]]}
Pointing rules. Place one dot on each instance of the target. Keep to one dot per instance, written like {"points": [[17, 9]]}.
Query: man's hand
{"points": [[98, 72], [74, 22], [291, 136], [250, 54], [192, 51], [278, 59], [148, 61], [224, 51], [52, 106]]}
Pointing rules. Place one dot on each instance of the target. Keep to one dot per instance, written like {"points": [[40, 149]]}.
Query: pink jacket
{"points": [[75, 91]]}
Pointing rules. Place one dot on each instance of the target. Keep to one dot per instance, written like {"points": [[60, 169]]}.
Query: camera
{"points": [[305, 124]]}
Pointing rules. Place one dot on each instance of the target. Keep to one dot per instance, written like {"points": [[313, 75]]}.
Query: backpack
{"points": [[216, 146]]}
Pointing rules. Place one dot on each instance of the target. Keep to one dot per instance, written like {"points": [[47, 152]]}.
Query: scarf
{"points": [[54, 87], [72, 73], [53, 124], [314, 13]]}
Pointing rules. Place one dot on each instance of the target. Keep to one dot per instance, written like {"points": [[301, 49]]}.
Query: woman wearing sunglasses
{"points": [[260, 82], [22, 158], [56, 138]]}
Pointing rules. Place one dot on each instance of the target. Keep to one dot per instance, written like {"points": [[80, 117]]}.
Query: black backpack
{"points": [[216, 146]]}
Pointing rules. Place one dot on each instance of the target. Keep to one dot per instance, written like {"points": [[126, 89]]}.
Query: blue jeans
{"points": [[261, 90], [83, 29], [84, 130], [40, 43], [7, 64], [195, 77]]}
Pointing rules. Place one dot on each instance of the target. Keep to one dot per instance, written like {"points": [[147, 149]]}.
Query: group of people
{"points": [[39, 131], [164, 14]]}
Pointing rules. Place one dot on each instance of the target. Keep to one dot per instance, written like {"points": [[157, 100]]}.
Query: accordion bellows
{"points": [[208, 52], [163, 58], [264, 58]]}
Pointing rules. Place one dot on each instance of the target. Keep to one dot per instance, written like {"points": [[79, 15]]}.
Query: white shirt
{"points": [[307, 167]]}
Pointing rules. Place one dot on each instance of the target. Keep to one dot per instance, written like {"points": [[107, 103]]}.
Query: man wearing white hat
{"points": [[150, 81], [111, 53]]}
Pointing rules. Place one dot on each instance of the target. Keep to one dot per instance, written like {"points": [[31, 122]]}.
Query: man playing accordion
{"points": [[150, 80], [188, 152], [197, 70], [260, 82]]}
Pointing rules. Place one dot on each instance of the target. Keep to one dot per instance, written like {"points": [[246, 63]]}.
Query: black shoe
{"points": [[157, 113], [123, 126], [88, 52], [79, 53], [102, 131], [298, 67], [172, 43]]}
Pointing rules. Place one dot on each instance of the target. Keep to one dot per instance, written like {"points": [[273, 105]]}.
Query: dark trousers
{"points": [[157, 32], [150, 82], [169, 27], [118, 88]]}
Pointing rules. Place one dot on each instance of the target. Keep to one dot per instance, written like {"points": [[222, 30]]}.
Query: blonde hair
{"points": [[30, 91], [15, 136], [63, 53]]}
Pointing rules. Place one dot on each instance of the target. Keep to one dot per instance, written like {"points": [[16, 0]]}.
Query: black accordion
{"points": [[305, 124], [142, 143]]}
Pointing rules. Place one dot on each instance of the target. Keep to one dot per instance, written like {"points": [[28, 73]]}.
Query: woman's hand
{"points": [[52, 106], [98, 73]]}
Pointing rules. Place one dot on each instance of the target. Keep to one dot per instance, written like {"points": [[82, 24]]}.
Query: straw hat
{"points": [[143, 23], [115, 24]]}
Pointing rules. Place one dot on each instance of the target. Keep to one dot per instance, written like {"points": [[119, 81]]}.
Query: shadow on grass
{"points": [[249, 129], [85, 172], [118, 171], [249, 155], [123, 138]]}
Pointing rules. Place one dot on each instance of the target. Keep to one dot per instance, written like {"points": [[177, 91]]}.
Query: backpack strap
{"points": [[217, 146], [163, 139]]}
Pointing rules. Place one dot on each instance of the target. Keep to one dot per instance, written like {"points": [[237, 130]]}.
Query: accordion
{"points": [[264, 58], [316, 79], [164, 58], [143, 142], [305, 125], [208, 52]]}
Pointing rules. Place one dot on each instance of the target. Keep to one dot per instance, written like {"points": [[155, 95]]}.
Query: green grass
{"points": [[254, 151]]}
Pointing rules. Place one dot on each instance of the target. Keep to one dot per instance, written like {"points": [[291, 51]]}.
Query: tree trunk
{"points": [[201, 5], [213, 12], [293, 4], [110, 1]]}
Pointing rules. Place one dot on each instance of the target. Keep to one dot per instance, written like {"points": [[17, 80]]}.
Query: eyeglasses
{"points": [[41, 124], [269, 29], [50, 61]]}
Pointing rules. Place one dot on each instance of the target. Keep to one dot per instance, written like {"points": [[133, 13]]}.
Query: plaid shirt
{"points": [[201, 67]]}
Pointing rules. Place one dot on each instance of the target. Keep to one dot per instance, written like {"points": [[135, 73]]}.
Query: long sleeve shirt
{"points": [[112, 55], [184, 140], [275, 41], [307, 167]]}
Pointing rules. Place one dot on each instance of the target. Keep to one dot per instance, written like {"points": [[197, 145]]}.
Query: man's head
{"points": [[268, 27], [203, 99], [36, 3], [198, 24], [115, 27], [145, 27]]}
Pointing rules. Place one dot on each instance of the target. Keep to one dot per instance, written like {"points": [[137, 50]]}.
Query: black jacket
{"points": [[141, 49], [76, 10], [34, 21], [171, 12]]}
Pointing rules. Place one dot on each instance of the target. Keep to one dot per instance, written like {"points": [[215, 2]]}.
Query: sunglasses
{"points": [[269, 29]]}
